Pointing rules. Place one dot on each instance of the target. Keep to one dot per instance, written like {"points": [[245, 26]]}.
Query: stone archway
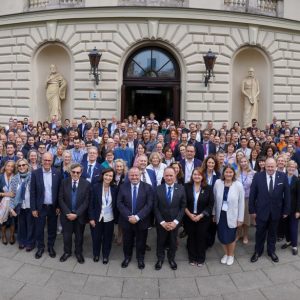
{"points": [[46, 55], [244, 59]]}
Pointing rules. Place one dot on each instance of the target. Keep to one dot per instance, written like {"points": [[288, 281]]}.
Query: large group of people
{"points": [[125, 177]]}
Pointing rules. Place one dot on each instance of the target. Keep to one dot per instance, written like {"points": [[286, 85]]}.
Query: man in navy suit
{"points": [[44, 189], [269, 200], [82, 127], [189, 163], [135, 202], [147, 176], [208, 146], [91, 169]]}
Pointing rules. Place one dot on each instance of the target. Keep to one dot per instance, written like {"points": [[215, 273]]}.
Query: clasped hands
{"points": [[196, 218], [132, 219], [169, 225], [71, 217]]}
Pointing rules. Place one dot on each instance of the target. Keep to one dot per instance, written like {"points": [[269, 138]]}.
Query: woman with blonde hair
{"points": [[245, 176], [157, 166]]}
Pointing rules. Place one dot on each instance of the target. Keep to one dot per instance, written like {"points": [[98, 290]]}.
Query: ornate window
{"points": [[151, 64]]}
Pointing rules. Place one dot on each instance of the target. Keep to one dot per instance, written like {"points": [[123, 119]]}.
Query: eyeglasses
{"points": [[47, 160], [75, 172], [23, 165]]}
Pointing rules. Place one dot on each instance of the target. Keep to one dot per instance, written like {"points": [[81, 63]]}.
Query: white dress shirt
{"points": [[47, 177]]}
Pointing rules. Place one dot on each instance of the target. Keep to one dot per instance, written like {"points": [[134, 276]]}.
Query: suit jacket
{"points": [[82, 199], [235, 200], [37, 188], [165, 212], [96, 172], [82, 133], [205, 200], [265, 205], [95, 206], [197, 163], [295, 194], [211, 149], [144, 205]]}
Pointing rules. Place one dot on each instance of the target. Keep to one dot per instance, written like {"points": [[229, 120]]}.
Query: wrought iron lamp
{"points": [[209, 60], [94, 57]]}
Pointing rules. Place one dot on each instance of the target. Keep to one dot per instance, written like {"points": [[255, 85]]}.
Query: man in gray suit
{"points": [[169, 206]]}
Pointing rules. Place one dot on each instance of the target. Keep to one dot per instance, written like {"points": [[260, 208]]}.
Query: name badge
{"points": [[225, 206]]}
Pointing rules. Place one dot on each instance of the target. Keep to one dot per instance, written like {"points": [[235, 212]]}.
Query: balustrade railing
{"points": [[45, 4]]}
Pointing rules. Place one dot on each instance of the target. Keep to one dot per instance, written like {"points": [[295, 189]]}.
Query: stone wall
{"points": [[188, 41]]}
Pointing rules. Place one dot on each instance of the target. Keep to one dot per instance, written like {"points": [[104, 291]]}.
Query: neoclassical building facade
{"points": [[152, 57]]}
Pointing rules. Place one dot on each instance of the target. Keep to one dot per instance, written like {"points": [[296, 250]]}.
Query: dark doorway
{"points": [[151, 84]]}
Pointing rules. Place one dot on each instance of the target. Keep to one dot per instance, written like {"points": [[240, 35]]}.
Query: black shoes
{"points": [[254, 257], [52, 252], [39, 253], [80, 258], [64, 257], [125, 263], [295, 251], [286, 245], [274, 257], [158, 265], [96, 258], [148, 248], [105, 260], [173, 264], [141, 264]]}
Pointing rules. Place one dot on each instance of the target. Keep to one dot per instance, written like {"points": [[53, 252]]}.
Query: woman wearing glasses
{"points": [[20, 205]]}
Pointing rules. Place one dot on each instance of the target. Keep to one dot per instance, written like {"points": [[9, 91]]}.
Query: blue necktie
{"points": [[169, 195], [74, 193], [134, 201], [89, 172]]}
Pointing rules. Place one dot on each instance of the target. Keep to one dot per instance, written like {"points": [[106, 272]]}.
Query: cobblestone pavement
{"points": [[24, 277]]}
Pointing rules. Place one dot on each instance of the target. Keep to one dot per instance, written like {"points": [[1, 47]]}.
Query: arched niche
{"points": [[46, 55], [244, 59]]}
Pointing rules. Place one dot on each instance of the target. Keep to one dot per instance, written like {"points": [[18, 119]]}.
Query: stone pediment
{"points": [[166, 3]]}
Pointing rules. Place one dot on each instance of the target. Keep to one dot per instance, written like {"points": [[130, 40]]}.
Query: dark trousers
{"points": [[70, 227], [129, 233], [196, 241], [26, 228], [211, 233], [164, 236], [265, 229], [291, 229], [102, 235], [281, 228], [46, 214]]}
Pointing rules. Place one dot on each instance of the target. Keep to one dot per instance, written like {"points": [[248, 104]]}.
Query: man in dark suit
{"points": [[91, 169], [269, 200], [169, 206], [208, 146], [189, 163], [135, 202], [82, 127], [147, 175], [74, 195], [44, 189]]}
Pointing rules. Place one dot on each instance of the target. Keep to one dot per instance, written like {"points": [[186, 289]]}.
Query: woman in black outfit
{"points": [[200, 201]]}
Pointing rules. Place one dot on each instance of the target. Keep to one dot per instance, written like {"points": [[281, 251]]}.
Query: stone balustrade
{"points": [[51, 4], [262, 7]]}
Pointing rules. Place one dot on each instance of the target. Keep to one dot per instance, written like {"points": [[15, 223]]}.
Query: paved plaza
{"points": [[24, 277]]}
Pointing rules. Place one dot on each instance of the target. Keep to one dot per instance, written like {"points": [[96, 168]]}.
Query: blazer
{"points": [[211, 149], [205, 200], [82, 133], [295, 194], [95, 205], [144, 205], [235, 200], [96, 172], [152, 177], [37, 189], [82, 199], [265, 205], [165, 212], [197, 163]]}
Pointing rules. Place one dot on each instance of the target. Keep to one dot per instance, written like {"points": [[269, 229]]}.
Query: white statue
{"points": [[250, 91], [56, 87]]}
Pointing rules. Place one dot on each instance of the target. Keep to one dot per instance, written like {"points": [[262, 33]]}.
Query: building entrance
{"points": [[151, 84]]}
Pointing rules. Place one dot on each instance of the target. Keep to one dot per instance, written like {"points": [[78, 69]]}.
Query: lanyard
{"points": [[244, 179], [195, 198], [106, 198], [209, 179]]}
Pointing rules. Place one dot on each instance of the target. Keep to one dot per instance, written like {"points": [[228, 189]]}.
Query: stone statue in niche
{"points": [[250, 94], [56, 88]]}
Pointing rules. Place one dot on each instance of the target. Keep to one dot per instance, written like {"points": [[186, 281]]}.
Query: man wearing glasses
{"points": [[74, 197], [44, 190]]}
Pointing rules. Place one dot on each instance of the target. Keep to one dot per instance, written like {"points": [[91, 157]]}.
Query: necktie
{"points": [[271, 185], [144, 177], [205, 148], [169, 195], [74, 192], [89, 172], [134, 201]]}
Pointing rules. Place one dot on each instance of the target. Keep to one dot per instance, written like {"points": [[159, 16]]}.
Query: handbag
{"points": [[4, 209]]}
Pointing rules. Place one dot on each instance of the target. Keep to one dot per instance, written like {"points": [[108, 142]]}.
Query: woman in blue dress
{"points": [[228, 211]]}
